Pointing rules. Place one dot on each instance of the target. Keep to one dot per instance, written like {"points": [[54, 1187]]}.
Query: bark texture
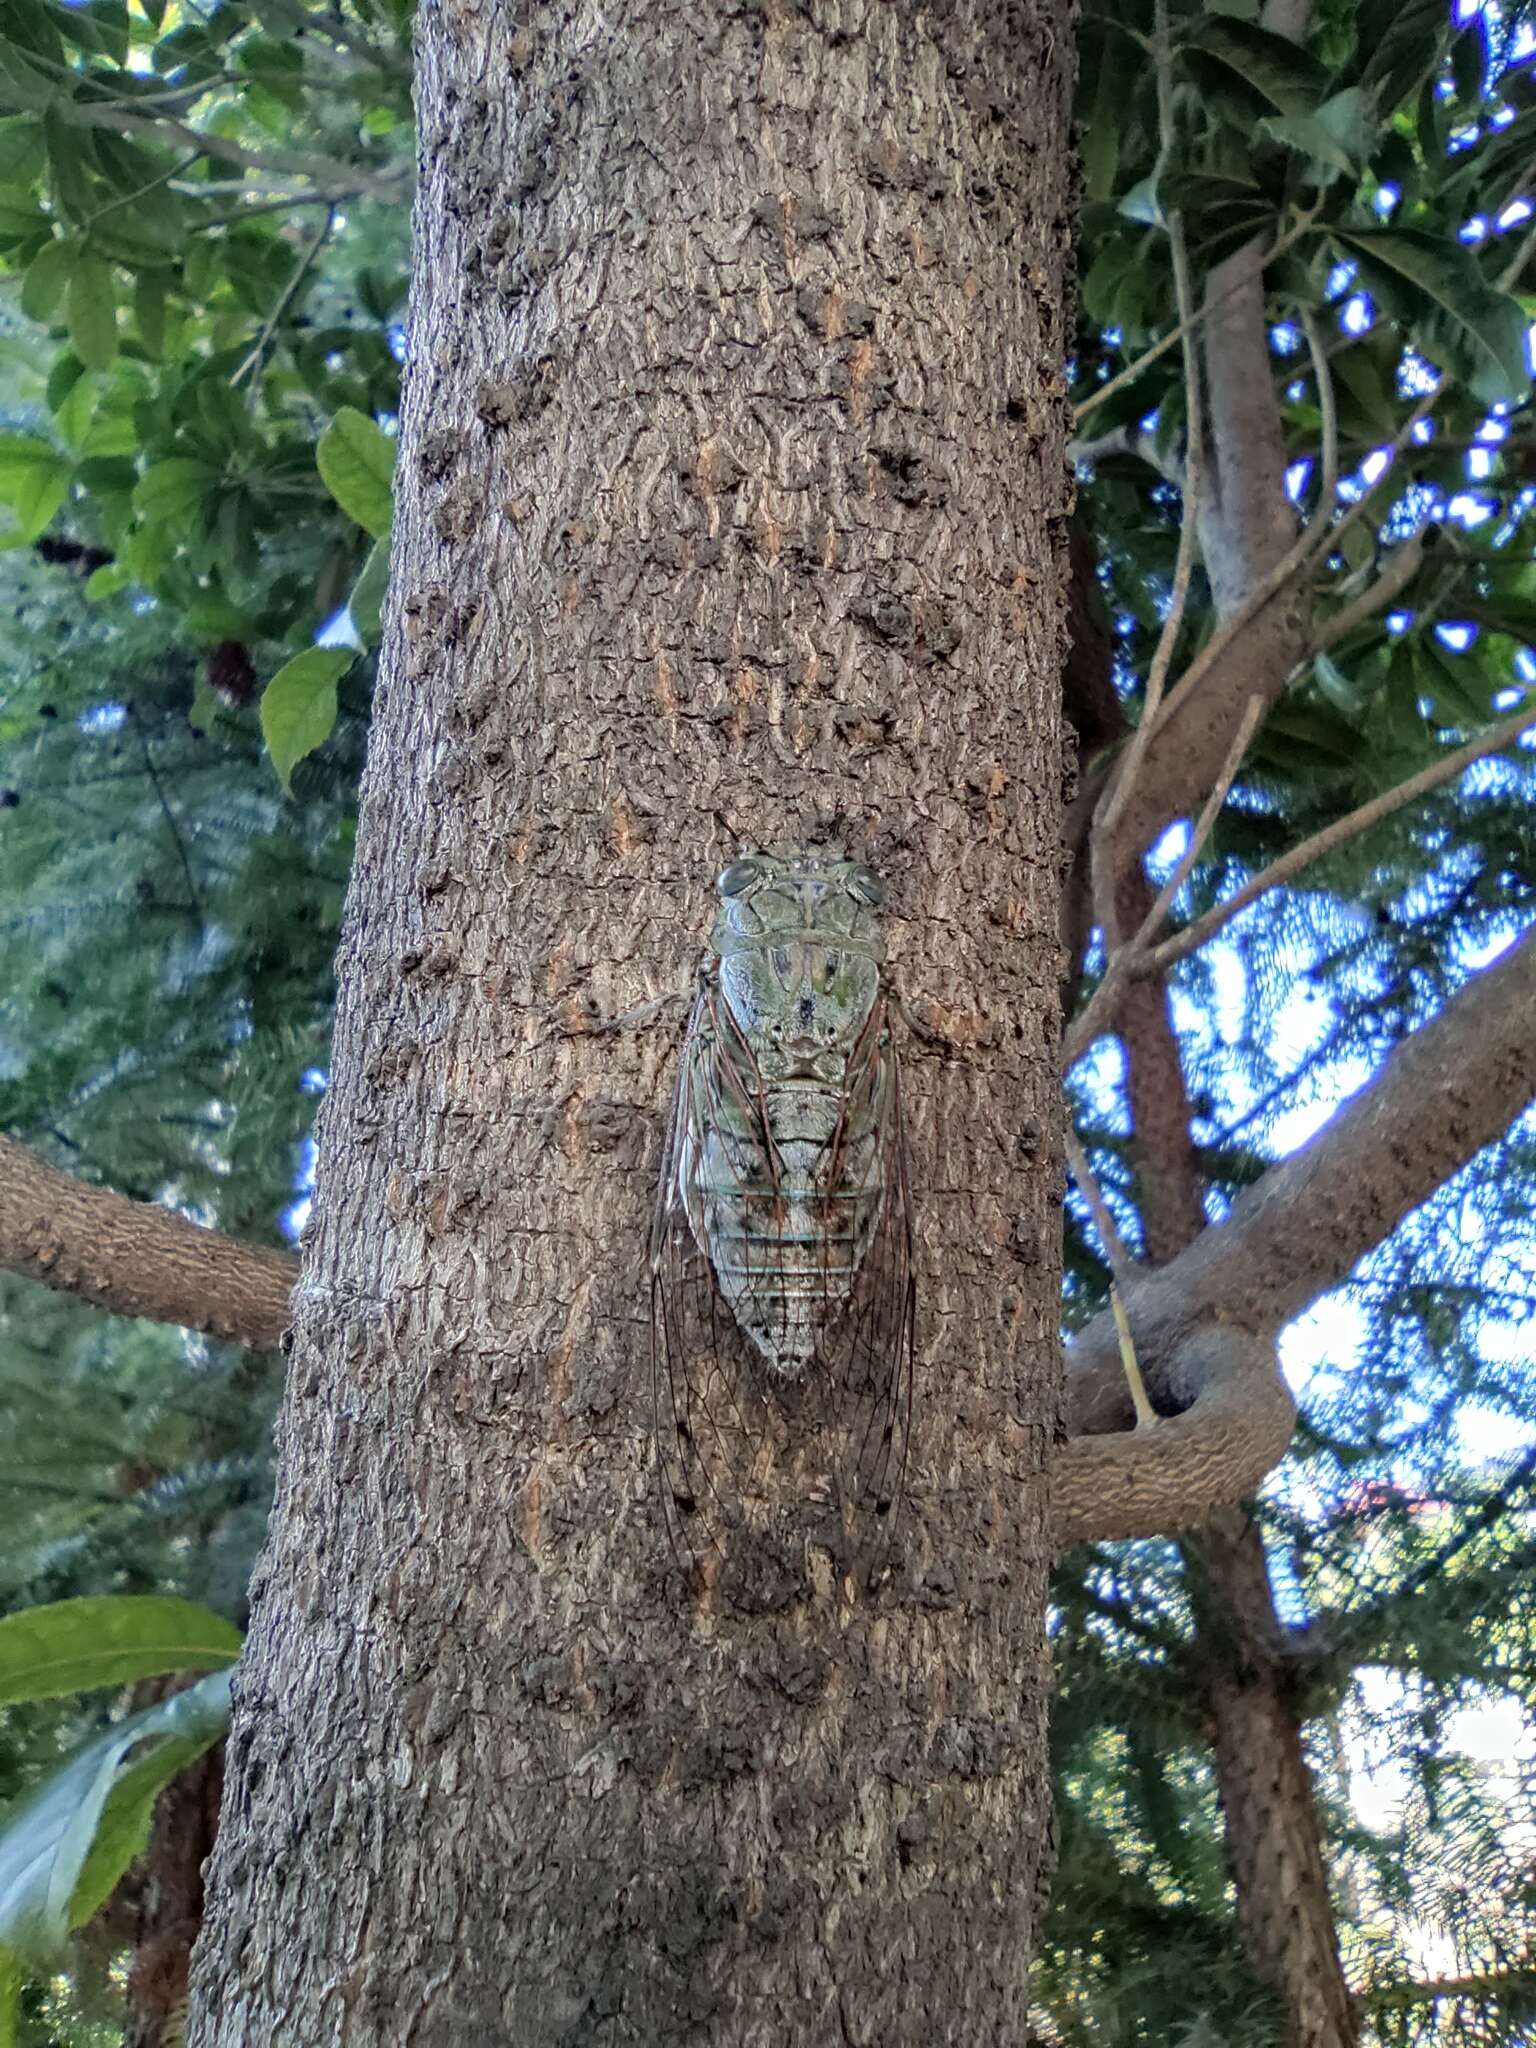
{"points": [[1272, 1828], [731, 508], [171, 1903], [136, 1258]]}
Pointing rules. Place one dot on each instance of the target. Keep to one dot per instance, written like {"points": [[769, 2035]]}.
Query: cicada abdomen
{"points": [[781, 1254]]}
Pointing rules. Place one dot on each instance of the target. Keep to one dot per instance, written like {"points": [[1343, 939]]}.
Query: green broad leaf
{"points": [[205, 707], [189, 1724], [1363, 377], [62, 378], [1439, 280], [12, 1977], [356, 460], [73, 417], [34, 479], [111, 434], [214, 619], [48, 276], [1250, 71], [171, 489], [366, 602], [93, 312], [74, 1646], [22, 154], [106, 581], [146, 552], [298, 706], [1337, 136], [69, 152], [149, 311], [1451, 684], [1399, 45], [25, 83], [46, 1844], [20, 454]]}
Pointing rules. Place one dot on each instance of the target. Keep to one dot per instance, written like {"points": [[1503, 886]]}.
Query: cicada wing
{"points": [[712, 1420], [867, 1350], [754, 1466]]}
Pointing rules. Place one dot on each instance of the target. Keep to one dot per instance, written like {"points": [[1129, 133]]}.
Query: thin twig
{"points": [[1128, 960], [293, 162], [1130, 1364], [1121, 1264], [1185, 328], [1248, 725], [170, 820], [1111, 806], [285, 299], [1342, 830], [1402, 566]]}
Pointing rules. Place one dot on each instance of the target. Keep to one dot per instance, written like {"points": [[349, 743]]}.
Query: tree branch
{"points": [[1455, 1086], [1402, 565], [136, 1258], [1235, 1421], [1493, 741]]}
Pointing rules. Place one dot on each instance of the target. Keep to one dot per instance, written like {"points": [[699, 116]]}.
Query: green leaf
{"points": [[1336, 136], [34, 478], [190, 1723], [73, 417], [62, 378], [356, 460], [1450, 684], [45, 1848], [69, 181], [48, 275], [1417, 272], [149, 310], [106, 581], [298, 706], [205, 707], [93, 313], [108, 1639], [1250, 71], [214, 619], [22, 155], [11, 1978], [1335, 685], [179, 485], [367, 599]]}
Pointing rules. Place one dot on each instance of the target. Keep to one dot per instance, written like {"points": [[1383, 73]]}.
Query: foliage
{"points": [[202, 222], [1392, 156]]}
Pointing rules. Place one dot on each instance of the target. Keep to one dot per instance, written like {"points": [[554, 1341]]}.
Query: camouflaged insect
{"points": [[781, 1251]]}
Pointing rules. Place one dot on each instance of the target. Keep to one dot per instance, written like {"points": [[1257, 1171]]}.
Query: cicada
{"points": [[782, 1291]]}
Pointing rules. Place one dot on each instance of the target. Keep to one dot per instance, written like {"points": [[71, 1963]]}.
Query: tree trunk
{"points": [[1272, 1829], [1274, 1837], [730, 509]]}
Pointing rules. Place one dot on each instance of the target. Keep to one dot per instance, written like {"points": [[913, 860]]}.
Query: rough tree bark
{"points": [[731, 505], [136, 1258]]}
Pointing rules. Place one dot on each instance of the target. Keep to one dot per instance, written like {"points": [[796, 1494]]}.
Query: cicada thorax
{"points": [[782, 1295]]}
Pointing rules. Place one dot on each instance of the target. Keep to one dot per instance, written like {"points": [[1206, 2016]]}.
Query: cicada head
{"points": [[800, 948]]}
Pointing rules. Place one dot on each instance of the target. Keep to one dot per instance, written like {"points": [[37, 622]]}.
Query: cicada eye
{"points": [[732, 880], [867, 886]]}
